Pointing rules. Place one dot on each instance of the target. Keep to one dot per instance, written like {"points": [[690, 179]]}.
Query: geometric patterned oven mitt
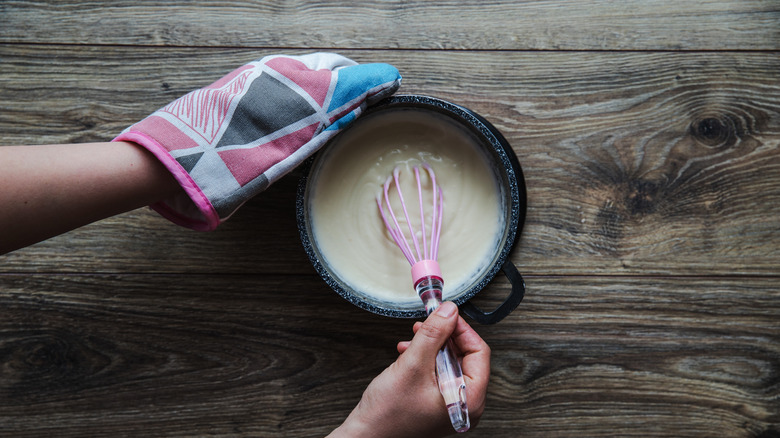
{"points": [[229, 141]]}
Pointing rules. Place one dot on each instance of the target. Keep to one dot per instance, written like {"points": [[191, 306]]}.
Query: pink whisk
{"points": [[422, 254]]}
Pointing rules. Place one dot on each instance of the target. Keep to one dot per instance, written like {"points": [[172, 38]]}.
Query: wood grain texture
{"points": [[649, 135], [249, 355], [636, 163], [420, 24]]}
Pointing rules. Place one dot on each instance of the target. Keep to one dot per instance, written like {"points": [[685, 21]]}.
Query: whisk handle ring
{"points": [[424, 269]]}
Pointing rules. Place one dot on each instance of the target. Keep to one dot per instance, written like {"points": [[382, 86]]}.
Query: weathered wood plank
{"points": [[636, 163], [248, 355], [593, 353], [421, 24], [639, 164]]}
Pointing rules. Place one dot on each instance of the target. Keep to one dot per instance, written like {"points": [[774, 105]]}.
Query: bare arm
{"points": [[51, 189]]}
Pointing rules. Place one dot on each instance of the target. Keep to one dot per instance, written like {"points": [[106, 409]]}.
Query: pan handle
{"points": [[511, 302]]}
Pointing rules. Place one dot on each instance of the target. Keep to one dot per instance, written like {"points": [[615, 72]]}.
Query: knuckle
{"points": [[431, 331]]}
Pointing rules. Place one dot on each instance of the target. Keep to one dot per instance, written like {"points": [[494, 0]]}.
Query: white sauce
{"points": [[347, 226]]}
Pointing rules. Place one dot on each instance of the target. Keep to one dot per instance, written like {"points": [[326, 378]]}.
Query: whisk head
{"points": [[421, 248]]}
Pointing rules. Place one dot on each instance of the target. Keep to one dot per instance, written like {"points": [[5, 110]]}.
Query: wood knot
{"points": [[43, 357], [717, 131], [642, 197], [711, 129], [84, 118], [42, 363]]}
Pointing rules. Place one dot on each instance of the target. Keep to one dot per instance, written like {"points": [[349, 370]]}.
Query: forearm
{"points": [[51, 189]]}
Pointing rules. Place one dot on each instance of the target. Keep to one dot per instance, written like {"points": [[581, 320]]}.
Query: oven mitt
{"points": [[229, 141]]}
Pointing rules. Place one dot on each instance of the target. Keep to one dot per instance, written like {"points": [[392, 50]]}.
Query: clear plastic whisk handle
{"points": [[449, 374], [452, 387]]}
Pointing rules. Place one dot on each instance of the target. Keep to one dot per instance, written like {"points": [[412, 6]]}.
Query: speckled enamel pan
{"points": [[510, 175]]}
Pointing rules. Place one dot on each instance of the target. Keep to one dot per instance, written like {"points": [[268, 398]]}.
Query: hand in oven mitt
{"points": [[229, 141]]}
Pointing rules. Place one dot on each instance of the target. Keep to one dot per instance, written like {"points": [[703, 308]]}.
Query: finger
{"points": [[467, 339], [476, 358], [432, 334], [402, 346]]}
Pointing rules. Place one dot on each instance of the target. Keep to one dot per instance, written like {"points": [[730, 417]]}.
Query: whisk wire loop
{"points": [[437, 214], [425, 255], [396, 179], [395, 232], [430, 242]]}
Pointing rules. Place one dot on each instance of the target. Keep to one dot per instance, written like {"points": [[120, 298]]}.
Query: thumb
{"points": [[358, 86], [371, 82], [433, 333], [338, 83]]}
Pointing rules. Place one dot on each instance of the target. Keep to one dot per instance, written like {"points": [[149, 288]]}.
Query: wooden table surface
{"points": [[649, 134]]}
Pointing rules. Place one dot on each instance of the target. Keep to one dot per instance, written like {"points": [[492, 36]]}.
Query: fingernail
{"points": [[447, 309]]}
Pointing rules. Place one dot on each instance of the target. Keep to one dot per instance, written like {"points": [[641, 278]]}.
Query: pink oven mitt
{"points": [[229, 141]]}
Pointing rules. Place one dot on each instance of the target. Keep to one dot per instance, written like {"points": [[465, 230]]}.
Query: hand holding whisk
{"points": [[422, 254]]}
